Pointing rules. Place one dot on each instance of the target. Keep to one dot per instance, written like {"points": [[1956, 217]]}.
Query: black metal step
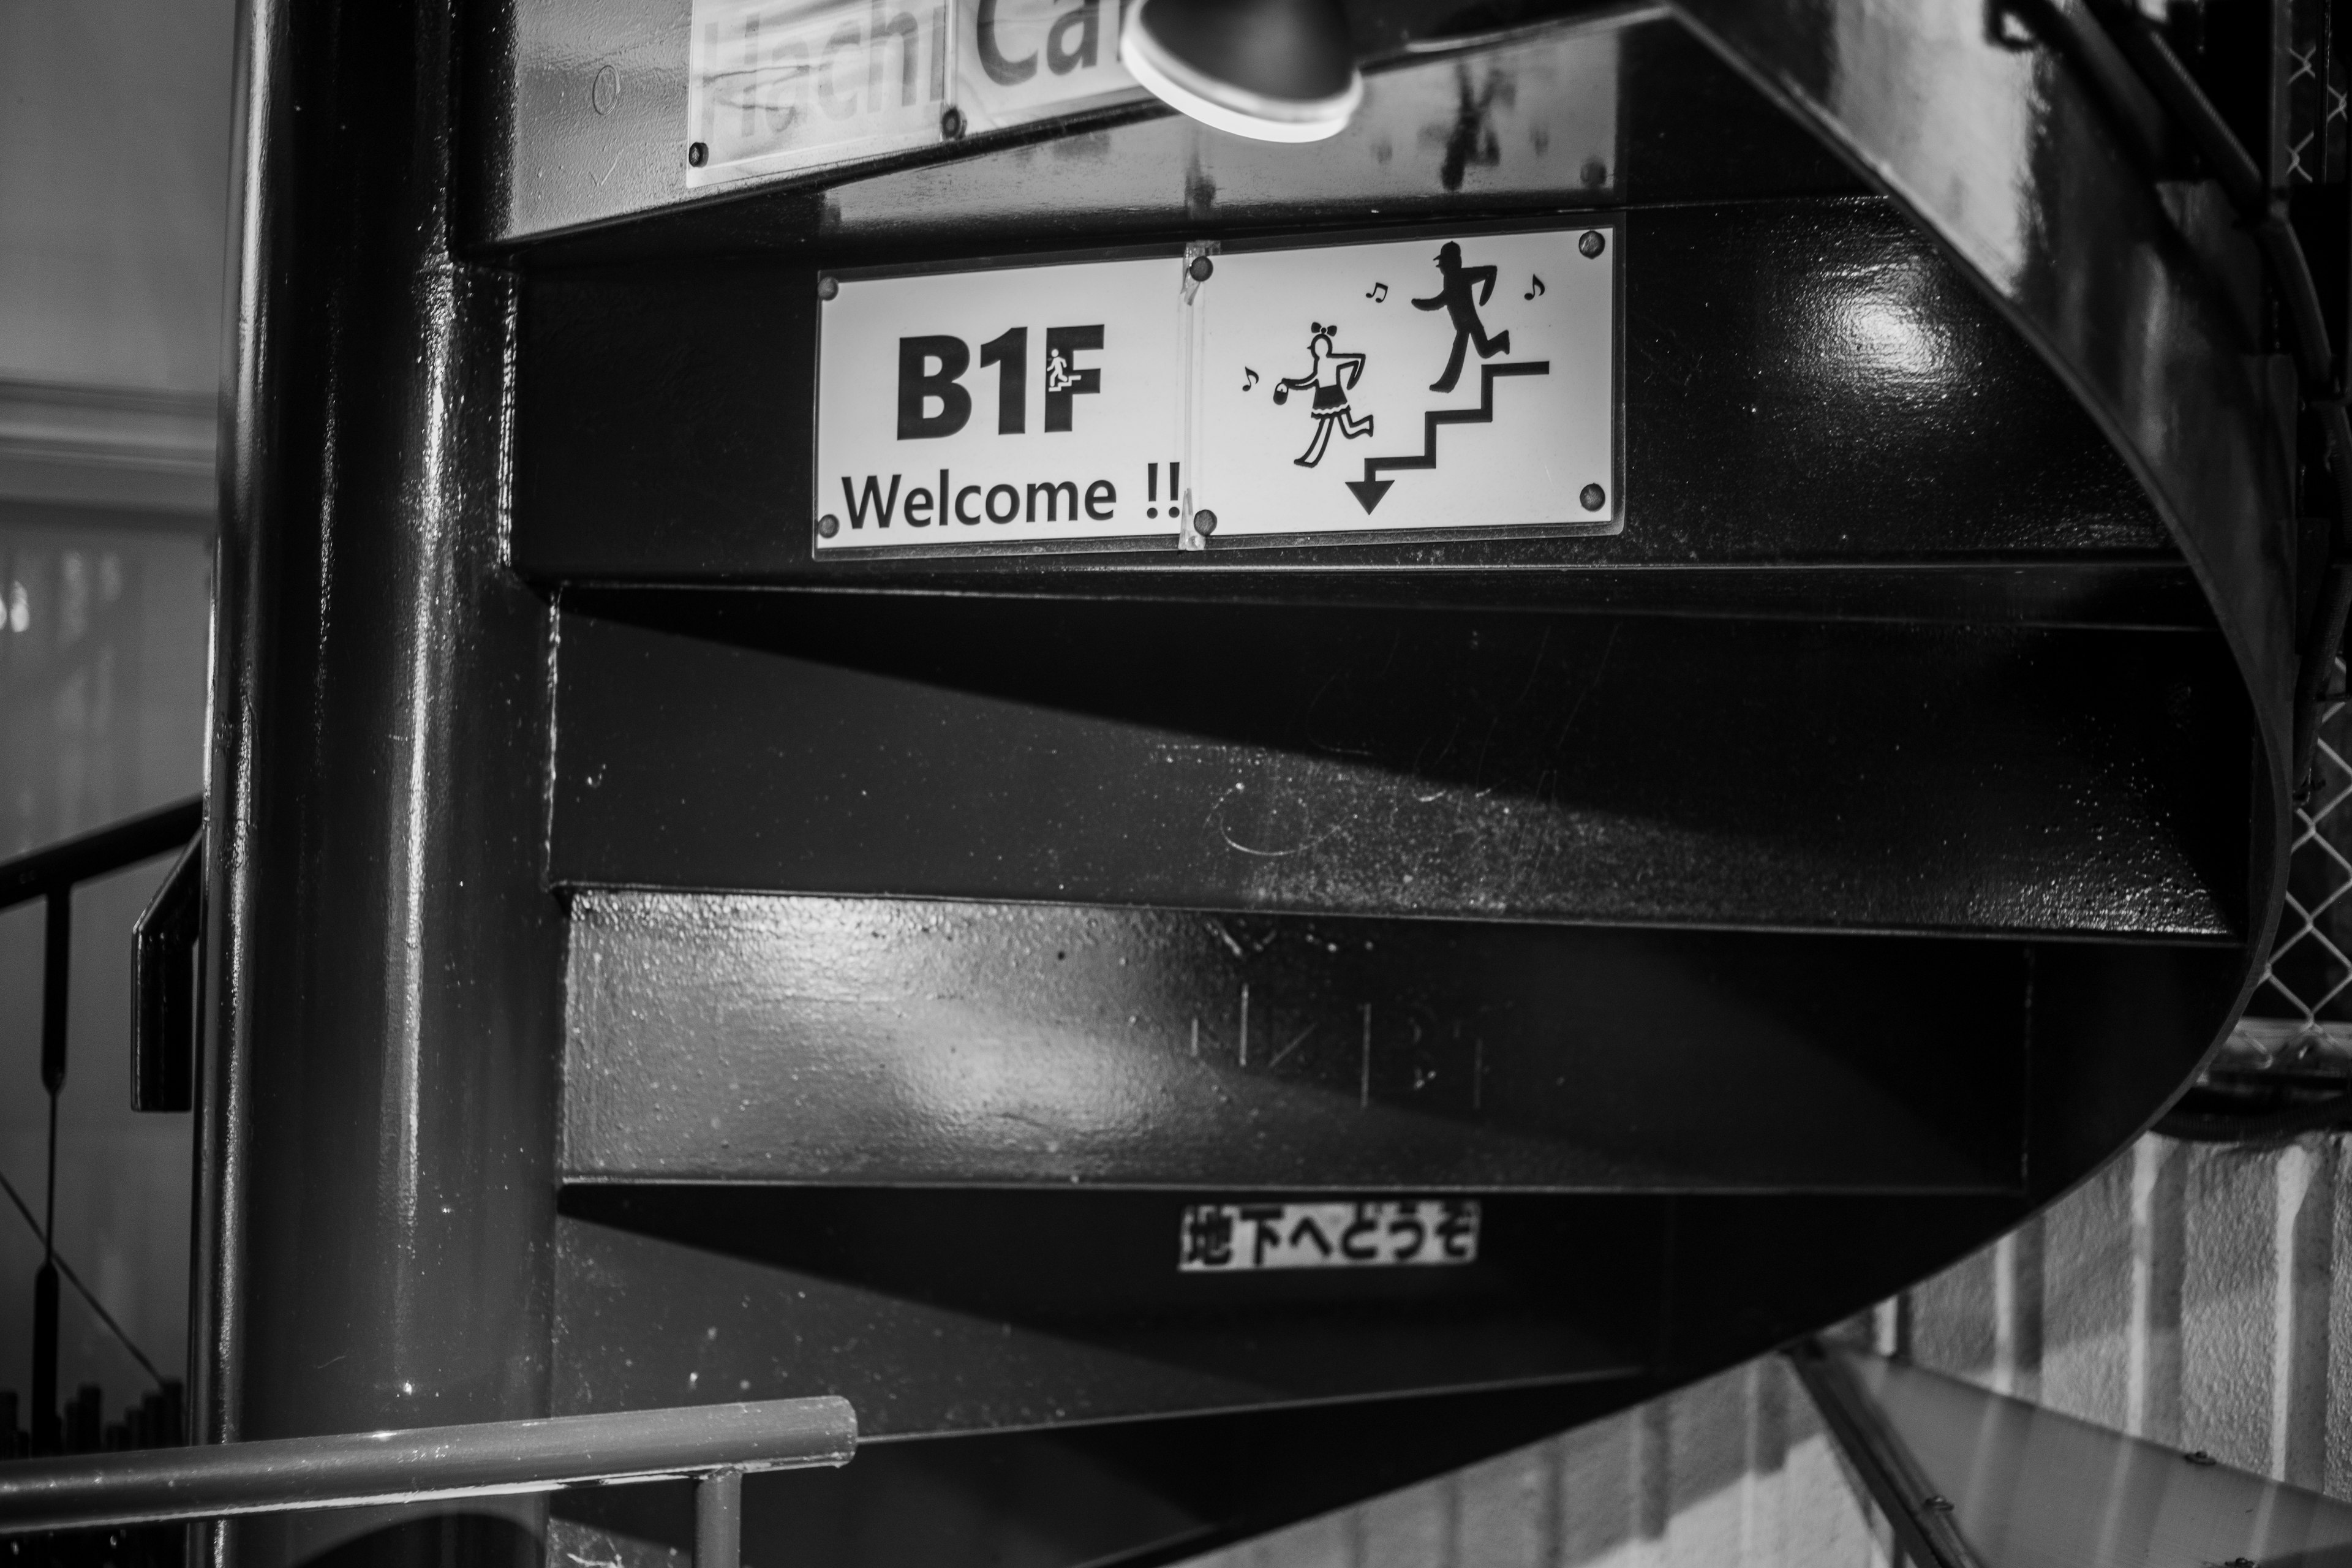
{"points": [[1847, 775], [896, 1041], [970, 1311]]}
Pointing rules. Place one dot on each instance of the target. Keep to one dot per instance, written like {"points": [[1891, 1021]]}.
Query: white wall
{"points": [[101, 716], [114, 141], [114, 181]]}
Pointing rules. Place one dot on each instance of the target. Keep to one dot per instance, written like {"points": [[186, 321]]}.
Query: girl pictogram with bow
{"points": [[1333, 376]]}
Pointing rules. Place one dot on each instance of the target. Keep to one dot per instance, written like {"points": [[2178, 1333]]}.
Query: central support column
{"points": [[384, 960]]}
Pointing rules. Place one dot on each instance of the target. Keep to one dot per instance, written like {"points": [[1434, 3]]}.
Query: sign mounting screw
{"points": [[828, 525], [1205, 521], [1593, 242], [827, 286], [1592, 498], [952, 123], [1201, 268], [697, 155]]}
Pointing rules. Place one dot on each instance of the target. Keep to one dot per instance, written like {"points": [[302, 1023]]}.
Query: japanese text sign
{"points": [[1219, 1239]]}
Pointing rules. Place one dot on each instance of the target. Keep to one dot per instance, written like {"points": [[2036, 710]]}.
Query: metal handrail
{"points": [[1921, 1519], [51, 874], [714, 1444], [112, 847]]}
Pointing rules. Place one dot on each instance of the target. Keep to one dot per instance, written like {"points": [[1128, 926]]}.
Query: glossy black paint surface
{"points": [[2120, 592], [2140, 297], [163, 944], [379, 1091], [1005, 1311], [1805, 382], [1362, 760], [1032, 1312], [893, 1041]]}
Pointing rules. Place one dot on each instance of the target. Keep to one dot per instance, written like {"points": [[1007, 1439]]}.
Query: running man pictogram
{"points": [[1454, 297], [1333, 376]]}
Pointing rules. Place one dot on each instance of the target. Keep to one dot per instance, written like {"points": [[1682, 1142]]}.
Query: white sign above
{"points": [[1025, 61], [1440, 387], [777, 86]]}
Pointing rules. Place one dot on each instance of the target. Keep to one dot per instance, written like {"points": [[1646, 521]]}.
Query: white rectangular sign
{"points": [[1232, 1238], [1441, 384], [1019, 406], [1023, 60], [1432, 386], [777, 86]]}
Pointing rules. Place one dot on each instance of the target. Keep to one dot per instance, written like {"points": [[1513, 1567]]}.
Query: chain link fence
{"points": [[2300, 1017]]}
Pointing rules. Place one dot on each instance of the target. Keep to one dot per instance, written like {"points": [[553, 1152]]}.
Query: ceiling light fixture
{"points": [[1277, 71]]}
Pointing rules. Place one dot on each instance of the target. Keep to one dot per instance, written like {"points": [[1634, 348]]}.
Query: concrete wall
{"points": [[1735, 1472], [2187, 1294]]}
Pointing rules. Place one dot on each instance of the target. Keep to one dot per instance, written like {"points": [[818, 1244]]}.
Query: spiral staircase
{"points": [[655, 963]]}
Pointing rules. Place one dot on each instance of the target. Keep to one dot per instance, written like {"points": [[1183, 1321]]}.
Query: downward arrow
{"points": [[1371, 487]]}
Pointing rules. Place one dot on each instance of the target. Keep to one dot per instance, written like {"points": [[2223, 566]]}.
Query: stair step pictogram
{"points": [[1370, 489]]}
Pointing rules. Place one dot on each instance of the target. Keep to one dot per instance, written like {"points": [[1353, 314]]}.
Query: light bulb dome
{"points": [[1278, 70]]}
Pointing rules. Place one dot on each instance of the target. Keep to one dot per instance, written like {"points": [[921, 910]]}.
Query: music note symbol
{"points": [[1378, 293], [1537, 288], [1253, 378]]}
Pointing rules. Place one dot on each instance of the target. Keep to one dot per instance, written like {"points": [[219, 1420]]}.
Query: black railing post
{"points": [[50, 875], [57, 969], [47, 1436], [719, 1519], [57, 966]]}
